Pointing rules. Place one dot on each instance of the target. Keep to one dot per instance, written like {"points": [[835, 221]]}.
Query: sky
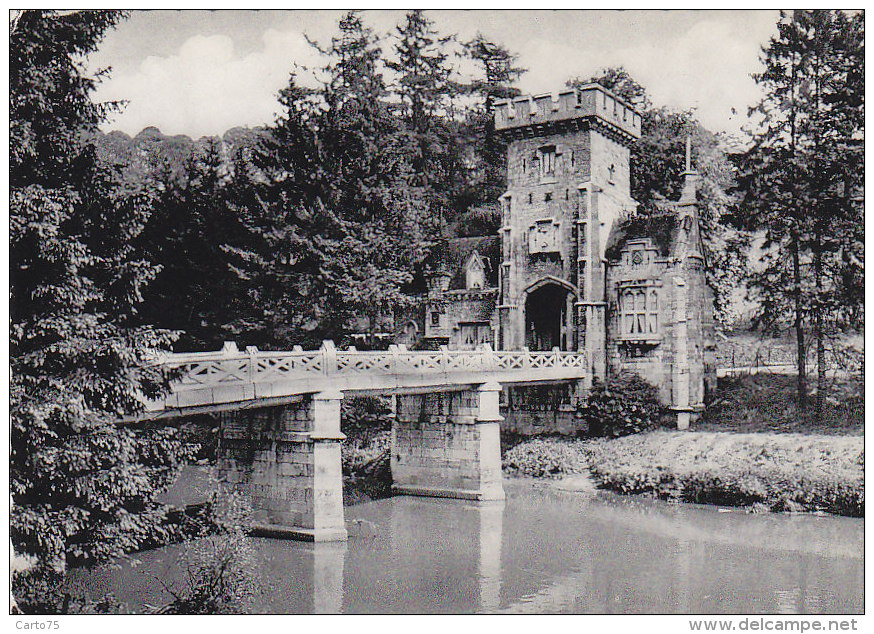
{"points": [[204, 72]]}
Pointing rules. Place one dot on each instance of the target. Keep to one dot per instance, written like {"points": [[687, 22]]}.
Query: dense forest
{"points": [[291, 233]]}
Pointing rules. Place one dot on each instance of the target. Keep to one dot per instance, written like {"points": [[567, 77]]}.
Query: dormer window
{"points": [[475, 273]]}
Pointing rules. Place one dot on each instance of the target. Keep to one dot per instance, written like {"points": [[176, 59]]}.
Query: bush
{"points": [[782, 472], [222, 568], [544, 457], [625, 405]]}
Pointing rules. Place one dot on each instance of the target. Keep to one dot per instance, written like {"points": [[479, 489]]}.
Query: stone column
{"points": [[448, 444], [287, 461]]}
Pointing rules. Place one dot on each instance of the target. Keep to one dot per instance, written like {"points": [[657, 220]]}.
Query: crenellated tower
{"points": [[568, 183]]}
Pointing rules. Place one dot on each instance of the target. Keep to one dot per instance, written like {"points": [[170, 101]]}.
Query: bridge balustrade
{"points": [[200, 369]]}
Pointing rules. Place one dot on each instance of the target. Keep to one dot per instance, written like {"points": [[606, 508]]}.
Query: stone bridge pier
{"points": [[286, 460], [447, 444]]}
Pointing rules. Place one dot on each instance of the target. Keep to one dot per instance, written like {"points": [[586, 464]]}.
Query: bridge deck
{"points": [[229, 377]]}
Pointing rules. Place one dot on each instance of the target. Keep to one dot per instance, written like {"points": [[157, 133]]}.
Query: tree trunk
{"points": [[799, 324], [820, 342], [795, 237]]}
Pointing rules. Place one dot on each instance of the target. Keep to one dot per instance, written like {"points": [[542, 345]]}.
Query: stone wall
{"points": [[456, 307], [655, 356], [548, 409]]}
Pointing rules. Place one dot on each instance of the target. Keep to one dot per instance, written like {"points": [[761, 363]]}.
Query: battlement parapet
{"points": [[589, 101]]}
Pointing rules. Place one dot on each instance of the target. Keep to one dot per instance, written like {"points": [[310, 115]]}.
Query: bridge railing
{"points": [[231, 365]]}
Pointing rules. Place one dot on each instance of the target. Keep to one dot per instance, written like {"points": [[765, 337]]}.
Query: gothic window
{"points": [[530, 198], [652, 318], [435, 318], [638, 311], [473, 334]]}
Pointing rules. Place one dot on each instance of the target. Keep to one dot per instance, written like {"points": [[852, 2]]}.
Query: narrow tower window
{"points": [[547, 161]]}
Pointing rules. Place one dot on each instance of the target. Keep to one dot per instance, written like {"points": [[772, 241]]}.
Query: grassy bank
{"points": [[765, 471]]}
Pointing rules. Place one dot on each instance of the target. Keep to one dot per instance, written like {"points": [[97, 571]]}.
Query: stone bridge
{"points": [[280, 421]]}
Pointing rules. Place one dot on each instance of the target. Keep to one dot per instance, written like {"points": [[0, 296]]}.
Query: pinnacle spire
{"points": [[690, 175]]}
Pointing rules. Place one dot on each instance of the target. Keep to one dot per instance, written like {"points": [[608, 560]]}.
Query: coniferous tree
{"points": [[338, 220], [291, 259], [485, 154], [196, 292], [801, 180], [82, 486], [426, 92]]}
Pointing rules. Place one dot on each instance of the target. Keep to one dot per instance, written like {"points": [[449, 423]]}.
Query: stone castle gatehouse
{"points": [[573, 266]]}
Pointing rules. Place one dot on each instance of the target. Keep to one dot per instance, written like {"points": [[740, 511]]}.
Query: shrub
{"points": [[543, 457], [625, 405], [365, 415], [222, 568]]}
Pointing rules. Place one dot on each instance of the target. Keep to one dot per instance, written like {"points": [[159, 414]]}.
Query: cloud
{"points": [[707, 67], [206, 87]]}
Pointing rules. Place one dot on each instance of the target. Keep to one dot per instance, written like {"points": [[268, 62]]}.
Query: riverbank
{"points": [[778, 472]]}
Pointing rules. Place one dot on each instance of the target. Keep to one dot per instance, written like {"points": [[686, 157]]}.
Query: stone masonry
{"points": [[287, 460], [578, 269], [447, 444]]}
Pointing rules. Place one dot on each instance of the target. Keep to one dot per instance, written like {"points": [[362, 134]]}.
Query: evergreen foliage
{"points": [[801, 182], [82, 486], [196, 291], [484, 153]]}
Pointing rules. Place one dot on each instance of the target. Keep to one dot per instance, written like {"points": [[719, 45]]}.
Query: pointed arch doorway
{"points": [[548, 311]]}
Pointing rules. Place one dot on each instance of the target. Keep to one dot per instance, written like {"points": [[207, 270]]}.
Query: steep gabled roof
{"points": [[450, 257]]}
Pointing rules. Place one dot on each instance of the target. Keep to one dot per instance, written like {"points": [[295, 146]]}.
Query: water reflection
{"points": [[547, 550], [300, 578]]}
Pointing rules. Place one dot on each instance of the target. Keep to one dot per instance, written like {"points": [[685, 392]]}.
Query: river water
{"points": [[551, 547]]}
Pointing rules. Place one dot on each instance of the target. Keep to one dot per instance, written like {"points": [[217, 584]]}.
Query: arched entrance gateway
{"points": [[548, 316]]}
